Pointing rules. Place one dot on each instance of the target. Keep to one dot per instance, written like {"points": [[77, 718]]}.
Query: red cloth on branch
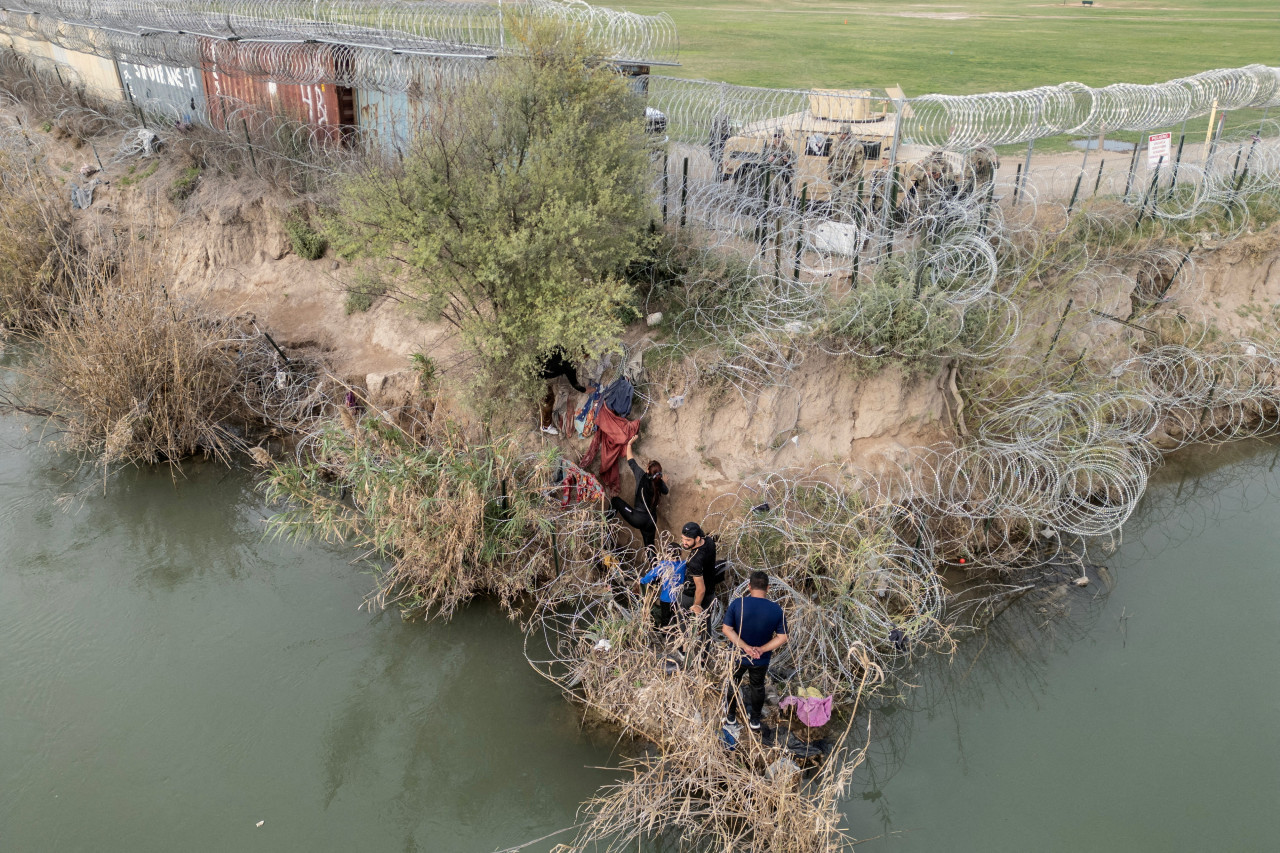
{"points": [[610, 441]]}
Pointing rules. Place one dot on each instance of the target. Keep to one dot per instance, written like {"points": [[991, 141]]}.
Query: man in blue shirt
{"points": [[671, 573], [757, 627]]}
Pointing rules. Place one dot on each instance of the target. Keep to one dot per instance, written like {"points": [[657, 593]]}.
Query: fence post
{"points": [[1074, 193], [1058, 331], [1098, 182], [665, 155], [1133, 168], [1177, 161], [1017, 184], [252, 158], [1151, 192], [892, 173], [684, 193], [804, 204]]}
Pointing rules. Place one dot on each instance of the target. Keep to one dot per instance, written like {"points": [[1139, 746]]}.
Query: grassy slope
{"points": [[1004, 44]]}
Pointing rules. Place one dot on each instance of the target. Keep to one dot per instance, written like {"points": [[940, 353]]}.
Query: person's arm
{"points": [[631, 456], [699, 590], [778, 641], [634, 466], [728, 631], [661, 484]]}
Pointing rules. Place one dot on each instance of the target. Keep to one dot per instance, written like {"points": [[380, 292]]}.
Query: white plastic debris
{"points": [[603, 645], [260, 823]]}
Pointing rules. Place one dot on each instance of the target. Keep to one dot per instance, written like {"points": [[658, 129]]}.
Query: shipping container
{"points": [[328, 108], [389, 119], [173, 94], [98, 76]]}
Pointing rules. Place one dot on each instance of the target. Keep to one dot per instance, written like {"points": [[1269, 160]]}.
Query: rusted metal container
{"points": [[389, 120], [174, 94], [236, 75]]}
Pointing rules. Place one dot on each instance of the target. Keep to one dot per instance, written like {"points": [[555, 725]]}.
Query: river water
{"points": [[169, 678]]}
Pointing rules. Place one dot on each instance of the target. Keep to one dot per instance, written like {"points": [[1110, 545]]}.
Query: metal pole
{"points": [[804, 204], [1098, 182], [252, 158], [684, 192], [1133, 168], [892, 173], [665, 155]]}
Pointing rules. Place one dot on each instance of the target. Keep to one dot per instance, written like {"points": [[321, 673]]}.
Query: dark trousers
{"points": [[637, 518], [663, 614], [755, 691]]}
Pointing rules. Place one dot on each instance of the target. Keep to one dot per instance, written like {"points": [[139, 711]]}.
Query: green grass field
{"points": [[966, 46]]}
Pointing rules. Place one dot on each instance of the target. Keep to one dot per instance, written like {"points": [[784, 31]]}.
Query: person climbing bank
{"points": [[642, 514], [757, 627], [701, 568]]}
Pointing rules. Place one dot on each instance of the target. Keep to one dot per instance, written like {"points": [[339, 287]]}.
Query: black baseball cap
{"points": [[691, 529]]}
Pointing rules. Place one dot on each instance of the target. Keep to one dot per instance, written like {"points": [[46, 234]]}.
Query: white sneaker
{"points": [[550, 430]]}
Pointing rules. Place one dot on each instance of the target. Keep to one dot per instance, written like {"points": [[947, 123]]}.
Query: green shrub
{"points": [[184, 185], [363, 290], [307, 243]]}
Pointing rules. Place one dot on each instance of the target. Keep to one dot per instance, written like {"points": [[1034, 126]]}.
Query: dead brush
{"points": [[689, 784], [449, 519], [133, 376], [36, 244]]}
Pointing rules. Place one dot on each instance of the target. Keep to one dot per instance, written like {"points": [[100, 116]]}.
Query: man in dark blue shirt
{"points": [[757, 627]]}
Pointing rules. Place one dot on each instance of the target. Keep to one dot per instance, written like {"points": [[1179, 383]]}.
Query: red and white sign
{"points": [[1158, 146]]}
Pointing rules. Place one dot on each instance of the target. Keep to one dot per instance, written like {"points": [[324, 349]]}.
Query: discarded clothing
{"points": [[610, 442], [585, 421], [82, 197], [618, 396], [573, 485], [812, 712]]}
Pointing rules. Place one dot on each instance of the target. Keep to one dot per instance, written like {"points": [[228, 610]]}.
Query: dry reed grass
{"points": [[450, 518], [131, 375], [36, 244], [690, 785]]}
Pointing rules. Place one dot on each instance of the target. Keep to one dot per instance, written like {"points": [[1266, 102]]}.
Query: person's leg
{"points": [[731, 693], [648, 532], [665, 614], [548, 405], [755, 691]]}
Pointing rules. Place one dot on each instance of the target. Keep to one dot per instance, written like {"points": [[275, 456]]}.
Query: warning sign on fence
{"points": [[1158, 145]]}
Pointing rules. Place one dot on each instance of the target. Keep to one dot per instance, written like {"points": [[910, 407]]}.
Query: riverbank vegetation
{"points": [[519, 207]]}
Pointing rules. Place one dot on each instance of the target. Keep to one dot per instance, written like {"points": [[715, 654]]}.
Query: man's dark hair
{"points": [[759, 580]]}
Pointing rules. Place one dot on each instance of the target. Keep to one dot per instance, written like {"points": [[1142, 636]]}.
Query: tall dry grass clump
{"points": [[692, 784], [132, 375], [449, 518], [36, 244]]}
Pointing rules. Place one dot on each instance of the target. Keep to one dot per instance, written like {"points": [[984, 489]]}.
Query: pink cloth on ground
{"points": [[812, 712]]}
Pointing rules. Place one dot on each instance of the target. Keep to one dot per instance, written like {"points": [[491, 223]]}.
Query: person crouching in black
{"points": [[700, 571], [643, 514]]}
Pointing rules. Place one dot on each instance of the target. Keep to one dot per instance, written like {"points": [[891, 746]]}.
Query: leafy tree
{"points": [[520, 205]]}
